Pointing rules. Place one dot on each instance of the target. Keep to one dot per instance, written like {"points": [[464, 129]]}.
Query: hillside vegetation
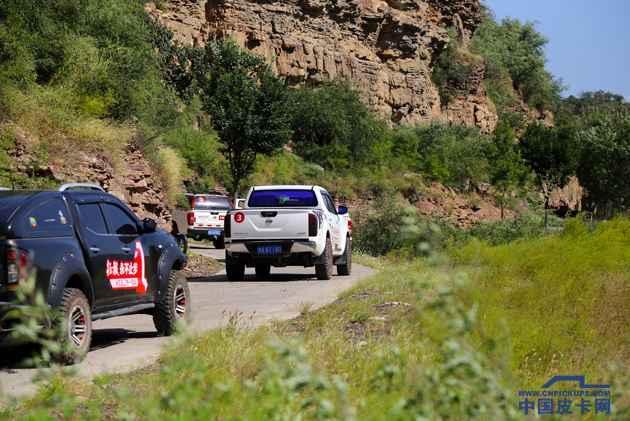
{"points": [[97, 76]]}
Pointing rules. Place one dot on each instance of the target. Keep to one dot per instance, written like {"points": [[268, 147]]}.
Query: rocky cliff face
{"points": [[386, 48], [130, 177]]}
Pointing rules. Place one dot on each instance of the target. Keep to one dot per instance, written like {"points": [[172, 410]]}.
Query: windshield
{"points": [[202, 201], [282, 199]]}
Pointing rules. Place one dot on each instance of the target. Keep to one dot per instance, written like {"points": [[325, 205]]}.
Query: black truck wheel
{"points": [[345, 268], [262, 271], [182, 242], [76, 317], [324, 268], [219, 243], [173, 306], [234, 270]]}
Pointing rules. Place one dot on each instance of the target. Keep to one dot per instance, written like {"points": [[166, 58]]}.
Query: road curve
{"points": [[126, 343]]}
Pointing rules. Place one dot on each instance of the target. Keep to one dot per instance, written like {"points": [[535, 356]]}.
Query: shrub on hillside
{"points": [[333, 128], [453, 69], [172, 170], [526, 226], [516, 49], [604, 164], [393, 225], [202, 151], [454, 155]]}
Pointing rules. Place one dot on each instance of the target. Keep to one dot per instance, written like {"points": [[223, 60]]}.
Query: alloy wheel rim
{"points": [[78, 326], [180, 302]]}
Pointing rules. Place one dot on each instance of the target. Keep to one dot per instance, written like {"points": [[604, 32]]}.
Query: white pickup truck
{"points": [[288, 226]]}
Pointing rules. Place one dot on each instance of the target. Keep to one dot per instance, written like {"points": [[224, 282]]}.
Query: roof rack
{"points": [[81, 186]]}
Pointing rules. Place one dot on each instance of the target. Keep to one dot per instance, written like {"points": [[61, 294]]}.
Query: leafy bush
{"points": [[380, 231], [202, 151], [524, 227], [508, 173], [286, 168], [172, 170], [393, 225], [453, 155], [604, 165], [453, 69], [333, 128], [516, 49]]}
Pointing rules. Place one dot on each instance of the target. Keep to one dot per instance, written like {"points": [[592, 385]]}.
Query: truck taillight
{"points": [[221, 217], [227, 227], [13, 273], [18, 265], [313, 225], [190, 217], [350, 225]]}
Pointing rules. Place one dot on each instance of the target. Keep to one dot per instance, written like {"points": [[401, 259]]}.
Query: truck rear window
{"points": [[200, 201], [282, 199]]}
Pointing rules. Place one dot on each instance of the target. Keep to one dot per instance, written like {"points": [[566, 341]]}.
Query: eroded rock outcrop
{"points": [[129, 175], [386, 48]]}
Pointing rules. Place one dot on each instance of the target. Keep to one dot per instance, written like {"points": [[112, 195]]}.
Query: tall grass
{"points": [[562, 301], [172, 170]]}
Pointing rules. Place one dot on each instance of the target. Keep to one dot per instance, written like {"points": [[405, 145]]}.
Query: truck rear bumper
{"points": [[211, 233], [294, 252], [289, 246]]}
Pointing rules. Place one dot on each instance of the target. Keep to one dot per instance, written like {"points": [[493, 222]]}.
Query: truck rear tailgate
{"points": [[209, 218], [270, 224]]}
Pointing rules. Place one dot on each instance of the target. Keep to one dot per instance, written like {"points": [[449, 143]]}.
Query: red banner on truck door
{"points": [[128, 274]]}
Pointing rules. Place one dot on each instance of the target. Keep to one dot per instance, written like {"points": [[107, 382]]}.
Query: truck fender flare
{"points": [[70, 267], [172, 257]]}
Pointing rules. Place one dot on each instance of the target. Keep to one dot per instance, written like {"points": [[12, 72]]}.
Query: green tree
{"points": [[507, 170], [453, 155], [333, 127], [517, 49], [553, 154], [604, 165], [247, 105]]}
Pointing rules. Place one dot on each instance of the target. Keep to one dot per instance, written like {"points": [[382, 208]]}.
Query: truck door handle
{"points": [[95, 249], [126, 249]]}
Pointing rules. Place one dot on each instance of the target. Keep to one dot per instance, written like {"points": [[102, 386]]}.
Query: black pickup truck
{"points": [[92, 258]]}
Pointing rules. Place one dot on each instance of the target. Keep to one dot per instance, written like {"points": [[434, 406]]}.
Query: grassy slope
{"points": [[400, 344]]}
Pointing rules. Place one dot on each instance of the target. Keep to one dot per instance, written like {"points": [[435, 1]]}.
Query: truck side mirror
{"points": [[342, 210], [149, 225]]}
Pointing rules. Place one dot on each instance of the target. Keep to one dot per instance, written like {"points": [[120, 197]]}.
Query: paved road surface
{"points": [[129, 342]]}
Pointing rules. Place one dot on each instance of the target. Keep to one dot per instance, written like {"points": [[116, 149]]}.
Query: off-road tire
{"points": [[173, 307], [262, 271], [345, 269], [219, 243], [76, 319], [182, 242], [235, 271], [324, 270]]}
